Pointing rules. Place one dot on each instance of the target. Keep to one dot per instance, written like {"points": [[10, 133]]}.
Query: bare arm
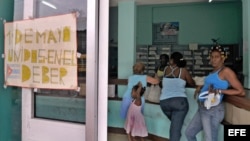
{"points": [[188, 77], [156, 76], [197, 90], [140, 87], [152, 80], [237, 88]]}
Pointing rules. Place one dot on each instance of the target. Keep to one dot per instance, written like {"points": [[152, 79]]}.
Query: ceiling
{"points": [[147, 2]]}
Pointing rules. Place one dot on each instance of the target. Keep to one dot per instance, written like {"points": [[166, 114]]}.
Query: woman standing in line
{"points": [[173, 99], [220, 79], [138, 76]]}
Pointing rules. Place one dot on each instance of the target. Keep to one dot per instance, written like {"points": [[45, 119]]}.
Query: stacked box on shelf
{"points": [[165, 50], [142, 56], [81, 65], [152, 57], [188, 56], [202, 61]]}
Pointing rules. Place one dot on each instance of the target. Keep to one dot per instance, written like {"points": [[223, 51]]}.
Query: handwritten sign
{"points": [[41, 53]]}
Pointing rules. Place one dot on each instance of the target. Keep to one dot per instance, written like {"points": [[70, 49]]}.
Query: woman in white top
{"points": [[173, 99]]}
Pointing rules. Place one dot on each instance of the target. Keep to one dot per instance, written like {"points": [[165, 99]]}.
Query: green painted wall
{"points": [[10, 105], [126, 37], [198, 22], [201, 22]]}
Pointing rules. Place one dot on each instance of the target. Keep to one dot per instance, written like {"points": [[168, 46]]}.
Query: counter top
{"points": [[238, 101], [241, 102]]}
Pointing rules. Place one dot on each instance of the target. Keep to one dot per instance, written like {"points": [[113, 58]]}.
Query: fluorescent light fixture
{"points": [[49, 4], [210, 0]]}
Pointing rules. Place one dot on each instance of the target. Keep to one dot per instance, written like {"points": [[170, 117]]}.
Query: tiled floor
{"points": [[118, 137]]}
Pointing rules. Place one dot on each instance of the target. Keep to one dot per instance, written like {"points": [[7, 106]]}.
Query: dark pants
{"points": [[176, 110]]}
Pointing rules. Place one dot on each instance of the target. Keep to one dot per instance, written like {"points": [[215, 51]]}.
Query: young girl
{"points": [[138, 76], [135, 124]]}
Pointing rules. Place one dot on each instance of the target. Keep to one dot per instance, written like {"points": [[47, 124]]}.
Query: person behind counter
{"points": [[137, 76], [159, 70], [219, 80], [173, 99]]}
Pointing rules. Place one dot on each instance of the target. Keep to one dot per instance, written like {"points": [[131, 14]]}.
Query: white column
{"points": [[27, 94], [246, 39], [103, 71], [92, 71]]}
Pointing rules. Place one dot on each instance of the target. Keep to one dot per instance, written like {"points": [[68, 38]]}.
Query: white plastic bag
{"points": [[154, 94]]}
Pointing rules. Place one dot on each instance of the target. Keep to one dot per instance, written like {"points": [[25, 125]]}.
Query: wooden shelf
{"points": [[81, 66], [83, 56]]}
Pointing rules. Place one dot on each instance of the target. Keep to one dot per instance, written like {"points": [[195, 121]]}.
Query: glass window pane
{"points": [[65, 105]]}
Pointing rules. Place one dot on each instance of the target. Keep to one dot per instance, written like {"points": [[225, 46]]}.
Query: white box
{"points": [[193, 46]]}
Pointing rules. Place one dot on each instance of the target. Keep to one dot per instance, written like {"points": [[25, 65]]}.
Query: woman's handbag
{"points": [[146, 93], [154, 94], [210, 99]]}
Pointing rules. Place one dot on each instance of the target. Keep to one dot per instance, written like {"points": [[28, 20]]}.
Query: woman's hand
{"points": [[195, 94], [197, 91]]}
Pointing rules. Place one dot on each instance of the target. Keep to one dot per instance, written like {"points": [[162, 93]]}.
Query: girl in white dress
{"points": [[135, 123]]}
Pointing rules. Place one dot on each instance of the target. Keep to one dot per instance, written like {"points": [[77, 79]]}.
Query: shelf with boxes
{"points": [[81, 65], [201, 66], [198, 62], [197, 58], [150, 54], [142, 56]]}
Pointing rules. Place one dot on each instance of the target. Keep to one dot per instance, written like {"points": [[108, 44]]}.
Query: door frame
{"points": [[36, 129]]}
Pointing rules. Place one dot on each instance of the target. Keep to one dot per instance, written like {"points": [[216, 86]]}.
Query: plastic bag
{"points": [[154, 94]]}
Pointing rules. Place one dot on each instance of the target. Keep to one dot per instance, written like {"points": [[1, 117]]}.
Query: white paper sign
{"points": [[41, 53]]}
